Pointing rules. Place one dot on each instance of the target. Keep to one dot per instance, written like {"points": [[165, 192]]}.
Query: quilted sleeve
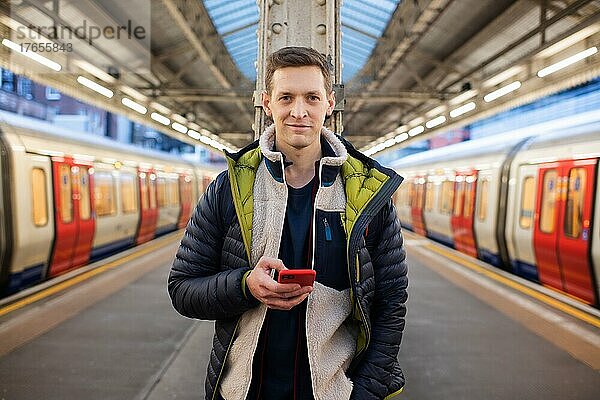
{"points": [[378, 374], [199, 286]]}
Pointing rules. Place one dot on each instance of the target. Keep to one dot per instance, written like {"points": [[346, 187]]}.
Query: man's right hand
{"points": [[278, 296]]}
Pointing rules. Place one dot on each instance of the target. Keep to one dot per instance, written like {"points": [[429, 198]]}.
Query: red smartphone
{"points": [[303, 277]]}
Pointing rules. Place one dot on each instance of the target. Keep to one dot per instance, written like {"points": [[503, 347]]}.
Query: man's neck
{"points": [[302, 170]]}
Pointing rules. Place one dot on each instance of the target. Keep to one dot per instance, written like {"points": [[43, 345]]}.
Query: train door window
{"points": [[458, 197], [104, 194], [419, 194], [85, 206], [429, 196], [574, 205], [152, 190], [128, 200], [446, 197], [173, 192], [161, 192], [40, 202], [549, 193], [468, 203], [527, 203], [66, 197], [483, 199]]}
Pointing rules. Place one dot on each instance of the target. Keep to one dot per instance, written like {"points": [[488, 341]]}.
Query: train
{"points": [[70, 198], [525, 201]]}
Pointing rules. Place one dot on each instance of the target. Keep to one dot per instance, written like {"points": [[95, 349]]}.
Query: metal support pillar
{"points": [[309, 23]]}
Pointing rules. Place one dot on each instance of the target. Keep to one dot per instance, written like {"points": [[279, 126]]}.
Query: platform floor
{"points": [[132, 345]]}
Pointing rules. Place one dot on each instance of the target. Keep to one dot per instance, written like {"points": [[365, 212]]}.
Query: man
{"points": [[300, 197]]}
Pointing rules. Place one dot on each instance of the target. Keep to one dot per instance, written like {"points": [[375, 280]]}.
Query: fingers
{"points": [[268, 263], [287, 304]]}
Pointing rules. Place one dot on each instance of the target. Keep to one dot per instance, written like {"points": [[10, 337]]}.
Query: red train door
{"points": [[73, 215], [574, 233], [418, 200], [185, 196], [545, 237], [462, 219], [148, 205], [84, 210]]}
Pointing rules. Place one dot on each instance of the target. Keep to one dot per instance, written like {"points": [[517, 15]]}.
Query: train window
{"points": [[527, 203], [549, 193], [104, 194], [40, 202], [429, 196], [468, 203], [446, 197], [161, 192], [458, 198], [483, 199], [574, 205], [173, 192], [128, 200], [85, 206], [66, 197], [152, 190]]}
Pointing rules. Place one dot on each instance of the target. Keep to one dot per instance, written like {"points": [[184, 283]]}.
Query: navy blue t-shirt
{"points": [[281, 362]]}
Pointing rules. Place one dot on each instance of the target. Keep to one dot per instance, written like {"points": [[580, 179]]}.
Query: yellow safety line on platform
{"points": [[590, 319], [80, 278]]}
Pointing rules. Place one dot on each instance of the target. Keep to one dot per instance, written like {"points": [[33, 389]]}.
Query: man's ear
{"points": [[266, 103], [331, 101]]}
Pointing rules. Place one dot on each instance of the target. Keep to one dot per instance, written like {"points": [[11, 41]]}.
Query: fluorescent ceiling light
{"points": [[567, 61], [462, 109], [401, 137], [97, 72], [436, 121], [133, 93], [501, 77], [160, 118], [502, 91], [193, 134], [462, 97], [94, 86], [416, 130], [389, 143], [32, 55], [160, 108], [133, 105], [179, 128]]}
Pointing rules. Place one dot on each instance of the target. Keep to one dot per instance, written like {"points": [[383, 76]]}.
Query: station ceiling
{"points": [[404, 61]]}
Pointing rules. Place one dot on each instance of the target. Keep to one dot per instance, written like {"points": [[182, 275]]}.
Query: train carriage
{"points": [[68, 198], [525, 202]]}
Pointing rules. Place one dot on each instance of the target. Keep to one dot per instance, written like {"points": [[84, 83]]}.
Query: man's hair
{"points": [[297, 57]]}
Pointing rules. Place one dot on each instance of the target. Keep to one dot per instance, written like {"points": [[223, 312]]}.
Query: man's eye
{"points": [[284, 98], [314, 98]]}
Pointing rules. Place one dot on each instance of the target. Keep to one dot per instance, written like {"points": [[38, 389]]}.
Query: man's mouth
{"points": [[298, 125]]}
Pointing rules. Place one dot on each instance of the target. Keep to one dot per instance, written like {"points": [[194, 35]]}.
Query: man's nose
{"points": [[298, 109]]}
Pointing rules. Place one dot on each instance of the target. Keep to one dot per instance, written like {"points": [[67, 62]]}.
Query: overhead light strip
{"points": [[32, 55], [95, 87], [502, 91], [133, 105], [567, 61]]}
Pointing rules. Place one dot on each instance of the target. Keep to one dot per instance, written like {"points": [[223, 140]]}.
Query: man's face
{"points": [[298, 104]]}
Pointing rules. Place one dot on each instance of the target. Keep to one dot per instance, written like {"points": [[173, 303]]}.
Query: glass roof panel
{"points": [[363, 22]]}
